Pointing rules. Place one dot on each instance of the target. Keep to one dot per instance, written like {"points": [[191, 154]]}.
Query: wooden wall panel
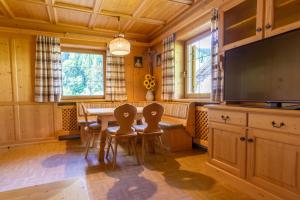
{"points": [[7, 133], [5, 71], [135, 76], [25, 54], [36, 121]]}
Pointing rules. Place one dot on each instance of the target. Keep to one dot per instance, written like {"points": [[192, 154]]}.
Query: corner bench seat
{"points": [[177, 121]]}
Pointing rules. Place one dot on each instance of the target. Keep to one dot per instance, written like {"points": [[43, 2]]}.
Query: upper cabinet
{"points": [[241, 22], [246, 21], [281, 16]]}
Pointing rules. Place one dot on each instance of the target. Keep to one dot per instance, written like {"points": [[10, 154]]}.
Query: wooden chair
{"points": [[90, 129], [151, 130], [125, 116]]}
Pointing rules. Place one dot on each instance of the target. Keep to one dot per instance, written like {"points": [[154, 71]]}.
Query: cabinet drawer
{"points": [[275, 122], [228, 117]]}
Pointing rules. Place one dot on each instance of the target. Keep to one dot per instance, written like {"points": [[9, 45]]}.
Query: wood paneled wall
{"points": [[135, 76], [23, 120]]}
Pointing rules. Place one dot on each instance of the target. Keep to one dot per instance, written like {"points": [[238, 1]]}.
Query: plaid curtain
{"points": [[168, 68], [217, 68], [115, 88], [48, 70]]}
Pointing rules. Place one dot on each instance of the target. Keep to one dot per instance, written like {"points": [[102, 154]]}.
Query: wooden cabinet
{"points": [[263, 151], [246, 21], [227, 148], [281, 16], [228, 117], [241, 22], [273, 162]]}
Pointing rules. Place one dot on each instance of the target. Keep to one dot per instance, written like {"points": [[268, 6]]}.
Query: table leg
{"points": [[104, 125]]}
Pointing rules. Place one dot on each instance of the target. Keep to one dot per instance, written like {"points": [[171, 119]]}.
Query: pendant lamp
{"points": [[119, 46]]}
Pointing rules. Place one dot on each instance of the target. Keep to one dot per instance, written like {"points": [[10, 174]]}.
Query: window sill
{"points": [[199, 100]]}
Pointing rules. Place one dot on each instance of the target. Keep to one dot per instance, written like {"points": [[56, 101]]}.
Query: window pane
{"points": [[199, 66], [82, 74]]}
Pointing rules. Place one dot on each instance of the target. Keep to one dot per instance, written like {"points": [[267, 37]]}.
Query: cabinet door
{"points": [[240, 23], [227, 148], [274, 162], [281, 16]]}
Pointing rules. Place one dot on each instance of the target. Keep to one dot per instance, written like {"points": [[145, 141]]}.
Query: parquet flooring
{"points": [[176, 176], [61, 190]]}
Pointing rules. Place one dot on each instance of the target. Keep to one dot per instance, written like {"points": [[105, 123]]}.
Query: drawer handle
{"points": [[250, 140], [225, 118], [242, 139], [259, 29], [268, 26], [275, 125]]}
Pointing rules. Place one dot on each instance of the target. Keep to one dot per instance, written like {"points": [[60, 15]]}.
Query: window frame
{"points": [[87, 51], [187, 43]]}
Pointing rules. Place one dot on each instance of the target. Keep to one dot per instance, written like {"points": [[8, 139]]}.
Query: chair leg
{"points": [[143, 149], [160, 142], [129, 148], [115, 154], [133, 144], [93, 139], [162, 146], [109, 146], [87, 145]]}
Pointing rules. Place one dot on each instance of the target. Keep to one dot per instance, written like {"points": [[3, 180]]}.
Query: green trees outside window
{"points": [[82, 74]]}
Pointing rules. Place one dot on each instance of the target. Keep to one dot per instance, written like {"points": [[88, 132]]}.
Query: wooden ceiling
{"points": [[141, 20]]}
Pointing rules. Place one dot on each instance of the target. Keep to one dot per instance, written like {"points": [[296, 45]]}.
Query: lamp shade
{"points": [[119, 46]]}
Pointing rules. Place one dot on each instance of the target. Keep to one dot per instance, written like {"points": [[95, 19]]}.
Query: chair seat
{"points": [[114, 130], [94, 126], [140, 128], [166, 125]]}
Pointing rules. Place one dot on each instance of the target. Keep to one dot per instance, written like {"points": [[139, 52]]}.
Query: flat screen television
{"points": [[264, 71]]}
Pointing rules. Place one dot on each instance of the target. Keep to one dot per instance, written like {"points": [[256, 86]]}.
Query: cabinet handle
{"points": [[275, 125], [268, 26], [250, 140], [225, 118], [242, 139], [259, 29]]}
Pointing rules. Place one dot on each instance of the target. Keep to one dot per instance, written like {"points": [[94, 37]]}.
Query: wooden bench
{"points": [[177, 122]]}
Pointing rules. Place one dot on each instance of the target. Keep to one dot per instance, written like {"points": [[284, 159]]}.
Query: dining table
{"points": [[106, 115]]}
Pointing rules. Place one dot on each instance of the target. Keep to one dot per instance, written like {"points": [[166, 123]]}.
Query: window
{"points": [[82, 75], [198, 66]]}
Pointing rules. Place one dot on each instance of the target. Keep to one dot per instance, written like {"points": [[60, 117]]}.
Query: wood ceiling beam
{"points": [[51, 12], [137, 13], [45, 26], [6, 9], [108, 13], [125, 16], [71, 36], [73, 7], [96, 10], [186, 2]]}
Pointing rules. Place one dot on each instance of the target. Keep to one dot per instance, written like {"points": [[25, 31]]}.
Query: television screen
{"points": [[264, 71]]}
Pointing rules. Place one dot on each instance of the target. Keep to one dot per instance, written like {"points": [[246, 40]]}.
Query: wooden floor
{"points": [[178, 176]]}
